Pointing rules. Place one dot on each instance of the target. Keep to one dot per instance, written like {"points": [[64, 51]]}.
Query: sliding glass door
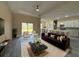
{"points": [[27, 27]]}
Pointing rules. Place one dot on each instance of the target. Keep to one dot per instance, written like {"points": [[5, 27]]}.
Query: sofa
{"points": [[54, 39]]}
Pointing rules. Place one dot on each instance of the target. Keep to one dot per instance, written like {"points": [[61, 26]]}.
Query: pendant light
{"points": [[37, 8]]}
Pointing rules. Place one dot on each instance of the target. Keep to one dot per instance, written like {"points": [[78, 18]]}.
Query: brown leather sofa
{"points": [[55, 40]]}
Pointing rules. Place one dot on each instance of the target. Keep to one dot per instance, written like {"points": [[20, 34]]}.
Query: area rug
{"points": [[32, 54], [52, 50]]}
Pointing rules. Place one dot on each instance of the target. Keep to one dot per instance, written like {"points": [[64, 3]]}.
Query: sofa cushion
{"points": [[49, 34], [61, 41]]}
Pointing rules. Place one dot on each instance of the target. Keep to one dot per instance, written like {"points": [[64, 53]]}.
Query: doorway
{"points": [[27, 27]]}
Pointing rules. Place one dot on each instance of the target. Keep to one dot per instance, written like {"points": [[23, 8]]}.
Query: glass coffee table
{"points": [[37, 49]]}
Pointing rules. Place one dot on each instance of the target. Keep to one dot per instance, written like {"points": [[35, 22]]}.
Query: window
{"points": [[27, 27]]}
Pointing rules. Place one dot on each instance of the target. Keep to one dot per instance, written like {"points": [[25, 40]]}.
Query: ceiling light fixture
{"points": [[37, 8]]}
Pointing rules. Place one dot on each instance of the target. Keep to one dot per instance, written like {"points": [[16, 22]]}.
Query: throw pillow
{"points": [[53, 36], [62, 37], [46, 34], [58, 37]]}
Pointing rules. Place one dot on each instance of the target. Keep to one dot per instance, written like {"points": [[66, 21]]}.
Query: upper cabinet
{"points": [[69, 23]]}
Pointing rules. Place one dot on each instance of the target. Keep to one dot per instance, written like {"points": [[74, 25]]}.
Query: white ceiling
{"points": [[28, 7], [68, 9]]}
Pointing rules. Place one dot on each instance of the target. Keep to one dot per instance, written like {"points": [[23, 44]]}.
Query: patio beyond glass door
{"points": [[27, 27]]}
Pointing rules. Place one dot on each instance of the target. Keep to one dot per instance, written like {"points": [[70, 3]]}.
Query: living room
{"points": [[39, 28]]}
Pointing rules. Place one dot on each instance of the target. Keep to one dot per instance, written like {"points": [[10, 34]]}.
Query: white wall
{"points": [[6, 15], [19, 18]]}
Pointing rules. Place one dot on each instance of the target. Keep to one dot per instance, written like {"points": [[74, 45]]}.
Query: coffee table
{"points": [[32, 54], [37, 49]]}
